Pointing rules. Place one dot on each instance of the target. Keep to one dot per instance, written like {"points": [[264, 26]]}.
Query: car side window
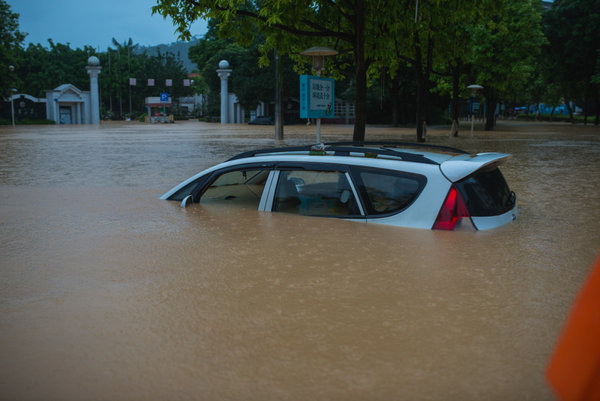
{"points": [[388, 191], [243, 187], [315, 193]]}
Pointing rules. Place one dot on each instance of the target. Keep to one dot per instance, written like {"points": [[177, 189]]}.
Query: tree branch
{"points": [[319, 30], [344, 14]]}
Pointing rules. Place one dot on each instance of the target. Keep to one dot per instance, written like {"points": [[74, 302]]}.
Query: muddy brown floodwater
{"points": [[108, 293]]}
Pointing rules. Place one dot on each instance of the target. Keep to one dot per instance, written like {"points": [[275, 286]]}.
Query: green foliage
{"points": [[10, 42], [506, 44], [573, 50], [353, 28], [494, 42], [394, 59], [249, 81], [26, 121], [46, 68], [122, 62]]}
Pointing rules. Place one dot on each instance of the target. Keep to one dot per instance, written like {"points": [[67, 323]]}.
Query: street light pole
{"points": [[12, 109], [12, 106]]}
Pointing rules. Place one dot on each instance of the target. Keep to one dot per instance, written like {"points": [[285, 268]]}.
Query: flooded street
{"points": [[108, 293]]}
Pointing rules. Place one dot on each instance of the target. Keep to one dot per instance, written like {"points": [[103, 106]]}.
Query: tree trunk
{"points": [[490, 111], [585, 106], [395, 101], [571, 119], [423, 71], [360, 116], [597, 97], [455, 100], [421, 112], [278, 98]]}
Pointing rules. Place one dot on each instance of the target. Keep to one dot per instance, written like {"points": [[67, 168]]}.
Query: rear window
{"points": [[387, 192], [486, 193]]}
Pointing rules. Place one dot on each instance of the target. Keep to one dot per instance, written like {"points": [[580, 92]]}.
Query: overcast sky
{"points": [[94, 23]]}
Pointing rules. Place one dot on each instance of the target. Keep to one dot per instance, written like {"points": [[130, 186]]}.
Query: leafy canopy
{"points": [[11, 40]]}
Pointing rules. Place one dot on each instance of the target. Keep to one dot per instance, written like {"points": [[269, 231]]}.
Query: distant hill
{"points": [[179, 49]]}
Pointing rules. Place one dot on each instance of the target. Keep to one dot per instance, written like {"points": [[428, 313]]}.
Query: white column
{"points": [[94, 69], [224, 72]]}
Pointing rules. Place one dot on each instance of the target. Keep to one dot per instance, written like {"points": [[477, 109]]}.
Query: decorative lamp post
{"points": [[318, 54], [474, 88], [224, 72]]}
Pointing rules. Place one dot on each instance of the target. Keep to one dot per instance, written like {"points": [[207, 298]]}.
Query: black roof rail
{"points": [[394, 144], [406, 156], [346, 148], [251, 153]]}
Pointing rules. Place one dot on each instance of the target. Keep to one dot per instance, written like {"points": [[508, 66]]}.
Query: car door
{"points": [[314, 190]]}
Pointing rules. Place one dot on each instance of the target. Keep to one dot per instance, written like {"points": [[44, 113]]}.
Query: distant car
{"points": [[400, 184], [264, 120]]}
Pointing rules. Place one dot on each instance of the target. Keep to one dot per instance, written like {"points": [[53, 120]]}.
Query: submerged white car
{"points": [[394, 183]]}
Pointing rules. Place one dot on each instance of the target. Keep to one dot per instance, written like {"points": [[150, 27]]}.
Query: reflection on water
{"points": [[107, 292]]}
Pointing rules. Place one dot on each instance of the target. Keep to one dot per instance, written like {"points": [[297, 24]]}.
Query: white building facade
{"points": [[68, 105]]}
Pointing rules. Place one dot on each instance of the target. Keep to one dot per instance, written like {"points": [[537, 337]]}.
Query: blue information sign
{"points": [[164, 97], [317, 97]]}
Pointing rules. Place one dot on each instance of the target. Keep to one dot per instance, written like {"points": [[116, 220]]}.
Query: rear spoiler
{"points": [[461, 166]]}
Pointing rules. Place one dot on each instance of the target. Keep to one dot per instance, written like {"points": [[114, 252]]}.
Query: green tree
{"points": [[352, 27], [573, 51], [456, 48], [506, 46], [250, 82], [423, 40], [11, 40], [122, 62], [46, 68], [116, 76]]}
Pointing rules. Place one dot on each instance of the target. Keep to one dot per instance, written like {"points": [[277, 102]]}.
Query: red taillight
{"points": [[453, 209]]}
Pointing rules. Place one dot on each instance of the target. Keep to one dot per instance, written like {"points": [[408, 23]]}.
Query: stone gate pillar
{"points": [[224, 72], [93, 68]]}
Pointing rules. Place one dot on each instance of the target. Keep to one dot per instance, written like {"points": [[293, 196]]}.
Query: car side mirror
{"points": [[186, 201]]}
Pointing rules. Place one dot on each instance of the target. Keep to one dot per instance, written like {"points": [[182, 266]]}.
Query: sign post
{"points": [[164, 98], [319, 95], [317, 99]]}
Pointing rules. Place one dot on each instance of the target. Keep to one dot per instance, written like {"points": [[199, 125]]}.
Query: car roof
{"points": [[454, 163], [403, 151]]}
